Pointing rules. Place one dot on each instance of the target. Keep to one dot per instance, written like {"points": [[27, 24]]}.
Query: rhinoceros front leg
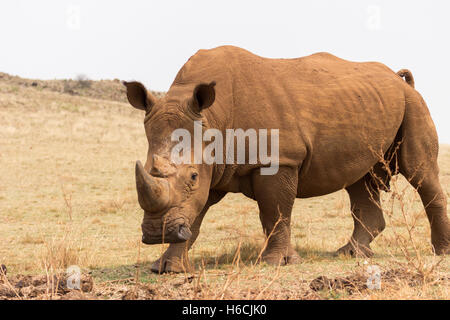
{"points": [[275, 195], [175, 258], [367, 217]]}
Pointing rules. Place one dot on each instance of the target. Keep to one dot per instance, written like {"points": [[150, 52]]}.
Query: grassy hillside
{"points": [[67, 196], [112, 90]]}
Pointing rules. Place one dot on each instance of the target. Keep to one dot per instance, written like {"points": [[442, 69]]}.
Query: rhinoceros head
{"points": [[171, 195]]}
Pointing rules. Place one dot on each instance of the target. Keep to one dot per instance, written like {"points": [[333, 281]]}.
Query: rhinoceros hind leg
{"points": [[418, 163], [426, 182], [435, 203], [367, 218]]}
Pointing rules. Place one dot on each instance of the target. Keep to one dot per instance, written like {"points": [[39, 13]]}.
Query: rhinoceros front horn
{"points": [[153, 192]]}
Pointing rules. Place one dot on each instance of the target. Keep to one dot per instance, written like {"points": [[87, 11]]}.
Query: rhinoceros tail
{"points": [[405, 73]]}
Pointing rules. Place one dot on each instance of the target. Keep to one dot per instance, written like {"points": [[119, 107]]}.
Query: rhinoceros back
{"points": [[335, 117]]}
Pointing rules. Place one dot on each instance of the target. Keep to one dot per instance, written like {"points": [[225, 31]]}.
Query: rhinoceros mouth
{"points": [[176, 234]]}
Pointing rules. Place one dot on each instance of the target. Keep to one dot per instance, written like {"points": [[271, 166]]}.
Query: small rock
{"points": [[321, 283], [350, 284], [39, 280], [33, 292], [7, 292], [131, 294]]}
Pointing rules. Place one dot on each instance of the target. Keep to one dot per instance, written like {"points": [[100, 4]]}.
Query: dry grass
{"points": [[67, 196]]}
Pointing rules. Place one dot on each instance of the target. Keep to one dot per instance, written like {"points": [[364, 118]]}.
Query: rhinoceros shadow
{"points": [[249, 253]]}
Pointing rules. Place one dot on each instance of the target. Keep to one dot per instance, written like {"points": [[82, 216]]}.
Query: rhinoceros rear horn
{"points": [[153, 192]]}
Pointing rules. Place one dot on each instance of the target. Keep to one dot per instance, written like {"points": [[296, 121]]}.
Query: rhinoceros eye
{"points": [[194, 176]]}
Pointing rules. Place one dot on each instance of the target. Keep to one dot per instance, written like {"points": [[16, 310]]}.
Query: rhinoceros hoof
{"points": [[355, 250], [441, 249], [276, 259], [171, 265]]}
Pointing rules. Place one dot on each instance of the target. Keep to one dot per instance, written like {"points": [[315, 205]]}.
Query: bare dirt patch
{"points": [[353, 285], [44, 287]]}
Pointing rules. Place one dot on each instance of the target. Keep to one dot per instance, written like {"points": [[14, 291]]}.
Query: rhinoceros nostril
{"points": [[157, 173], [184, 233]]}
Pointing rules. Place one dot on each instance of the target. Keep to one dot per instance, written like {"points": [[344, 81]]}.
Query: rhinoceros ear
{"points": [[138, 96], [203, 96]]}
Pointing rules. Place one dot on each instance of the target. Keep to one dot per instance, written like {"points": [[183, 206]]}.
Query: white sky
{"points": [[149, 41]]}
